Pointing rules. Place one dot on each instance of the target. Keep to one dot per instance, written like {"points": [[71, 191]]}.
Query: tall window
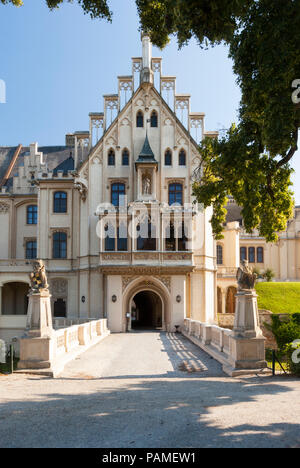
{"points": [[117, 193], [219, 255], [176, 239], [243, 253], [60, 202], [32, 214], [111, 158], [182, 239], [168, 158], [182, 158], [144, 242], [31, 250], [170, 238], [110, 238], [113, 243], [125, 158], [59, 245], [251, 254], [122, 241], [140, 119], [175, 194], [154, 119], [260, 255]]}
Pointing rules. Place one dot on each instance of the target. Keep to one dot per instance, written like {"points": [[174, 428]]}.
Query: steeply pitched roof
{"points": [[146, 155]]}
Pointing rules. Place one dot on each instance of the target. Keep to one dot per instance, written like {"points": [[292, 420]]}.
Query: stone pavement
{"points": [[152, 390]]}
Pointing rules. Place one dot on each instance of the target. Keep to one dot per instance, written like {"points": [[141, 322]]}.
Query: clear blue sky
{"points": [[57, 66]]}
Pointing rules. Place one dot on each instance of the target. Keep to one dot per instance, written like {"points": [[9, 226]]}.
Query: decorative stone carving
{"points": [[82, 189], [38, 278], [4, 208], [127, 280], [59, 287]]}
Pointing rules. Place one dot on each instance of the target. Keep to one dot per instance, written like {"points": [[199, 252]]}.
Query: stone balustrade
{"points": [[220, 343], [64, 345], [212, 339]]}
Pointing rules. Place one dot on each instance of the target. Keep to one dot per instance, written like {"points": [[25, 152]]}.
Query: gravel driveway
{"points": [[152, 390]]}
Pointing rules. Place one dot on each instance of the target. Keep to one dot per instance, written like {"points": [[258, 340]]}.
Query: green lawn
{"points": [[279, 298]]}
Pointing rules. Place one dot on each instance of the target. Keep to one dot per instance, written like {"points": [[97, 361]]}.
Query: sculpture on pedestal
{"points": [[246, 279], [38, 278], [247, 344]]}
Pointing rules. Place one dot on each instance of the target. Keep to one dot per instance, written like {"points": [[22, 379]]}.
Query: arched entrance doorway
{"points": [[15, 298], [230, 300], [146, 311]]}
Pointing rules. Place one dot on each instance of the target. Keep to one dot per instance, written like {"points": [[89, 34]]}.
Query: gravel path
{"points": [[152, 390]]}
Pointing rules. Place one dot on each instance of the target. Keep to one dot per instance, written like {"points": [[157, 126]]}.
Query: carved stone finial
{"points": [[245, 277], [38, 278]]}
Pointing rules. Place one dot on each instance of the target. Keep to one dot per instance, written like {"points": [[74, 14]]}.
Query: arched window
{"points": [[31, 250], [243, 253], [251, 254], [59, 245], [168, 158], [182, 158], [140, 119], [260, 255], [154, 119], [118, 193], [125, 157], [111, 158], [219, 255], [175, 194], [32, 214], [60, 202]]}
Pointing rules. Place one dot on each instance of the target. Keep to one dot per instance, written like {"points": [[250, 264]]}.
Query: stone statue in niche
{"points": [[38, 278], [147, 186], [245, 277]]}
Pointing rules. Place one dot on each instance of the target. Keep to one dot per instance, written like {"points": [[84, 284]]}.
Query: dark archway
{"points": [[146, 311], [15, 298]]}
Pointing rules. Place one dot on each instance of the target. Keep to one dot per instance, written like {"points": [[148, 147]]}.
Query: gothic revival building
{"points": [[112, 213]]}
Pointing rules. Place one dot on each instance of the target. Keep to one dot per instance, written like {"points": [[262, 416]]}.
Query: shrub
{"points": [[285, 332], [269, 275]]}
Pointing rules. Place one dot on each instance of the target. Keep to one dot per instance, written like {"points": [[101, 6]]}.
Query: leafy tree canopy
{"points": [[251, 161]]}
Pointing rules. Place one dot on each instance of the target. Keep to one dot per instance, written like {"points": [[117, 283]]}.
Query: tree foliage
{"points": [[251, 161], [95, 8]]}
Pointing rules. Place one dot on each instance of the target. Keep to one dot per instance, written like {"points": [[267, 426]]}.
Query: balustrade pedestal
{"points": [[247, 344], [37, 347]]}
